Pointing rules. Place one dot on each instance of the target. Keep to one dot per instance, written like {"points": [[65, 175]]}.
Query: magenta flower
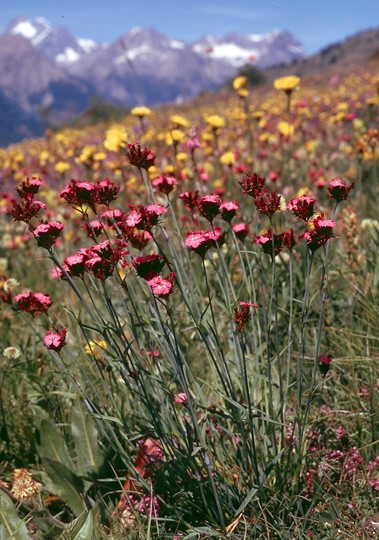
{"points": [[228, 210], [47, 233], [252, 184], [324, 362], [201, 241], [75, 264], [162, 287], [241, 230], [148, 266], [302, 207], [289, 239], [242, 314], [26, 209], [270, 244], [29, 187], [189, 199], [142, 158], [266, 202], [106, 191], [94, 228], [319, 232], [165, 183], [55, 341], [208, 206], [338, 190], [33, 302], [180, 398], [79, 194]]}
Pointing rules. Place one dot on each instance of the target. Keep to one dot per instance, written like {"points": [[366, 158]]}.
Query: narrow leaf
{"points": [[246, 501]]}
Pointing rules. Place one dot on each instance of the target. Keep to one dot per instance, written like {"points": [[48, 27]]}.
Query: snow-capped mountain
{"points": [[263, 50], [56, 42], [45, 70]]}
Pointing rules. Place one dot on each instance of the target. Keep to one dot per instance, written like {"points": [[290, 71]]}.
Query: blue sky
{"points": [[315, 23]]}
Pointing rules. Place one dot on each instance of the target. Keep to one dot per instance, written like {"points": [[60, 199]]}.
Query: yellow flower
{"points": [[257, 115], [228, 159], [99, 156], [240, 85], [141, 112], [287, 83], [179, 120], [115, 138], [181, 156], [61, 167], [96, 347], [215, 121], [285, 129], [174, 136]]}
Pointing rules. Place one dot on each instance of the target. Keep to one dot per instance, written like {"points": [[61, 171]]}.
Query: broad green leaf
{"points": [[11, 526], [65, 484], [52, 443], [85, 436], [84, 530]]}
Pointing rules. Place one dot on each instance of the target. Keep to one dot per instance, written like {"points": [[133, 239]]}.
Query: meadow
{"points": [[189, 319]]}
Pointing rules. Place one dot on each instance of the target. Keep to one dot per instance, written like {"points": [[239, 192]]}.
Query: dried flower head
{"points": [[24, 487]]}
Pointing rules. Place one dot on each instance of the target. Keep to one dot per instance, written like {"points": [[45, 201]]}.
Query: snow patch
{"points": [[175, 44], [233, 54], [41, 36], [69, 56], [87, 45], [132, 54], [25, 29]]}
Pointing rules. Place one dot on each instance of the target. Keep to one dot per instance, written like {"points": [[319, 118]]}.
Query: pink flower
{"points": [[162, 287], [29, 186], [94, 228], [145, 217], [302, 207], [289, 239], [47, 233], [208, 206], [77, 193], [189, 199], [266, 202], [270, 244], [26, 209], [319, 232], [324, 363], [103, 258], [33, 302], [252, 184], [201, 241], [242, 314], [55, 341], [142, 158], [228, 210], [148, 266], [338, 190], [241, 230], [165, 183], [106, 191], [75, 264], [180, 398]]}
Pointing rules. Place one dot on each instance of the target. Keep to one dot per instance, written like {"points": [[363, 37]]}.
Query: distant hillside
{"points": [[355, 50]]}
